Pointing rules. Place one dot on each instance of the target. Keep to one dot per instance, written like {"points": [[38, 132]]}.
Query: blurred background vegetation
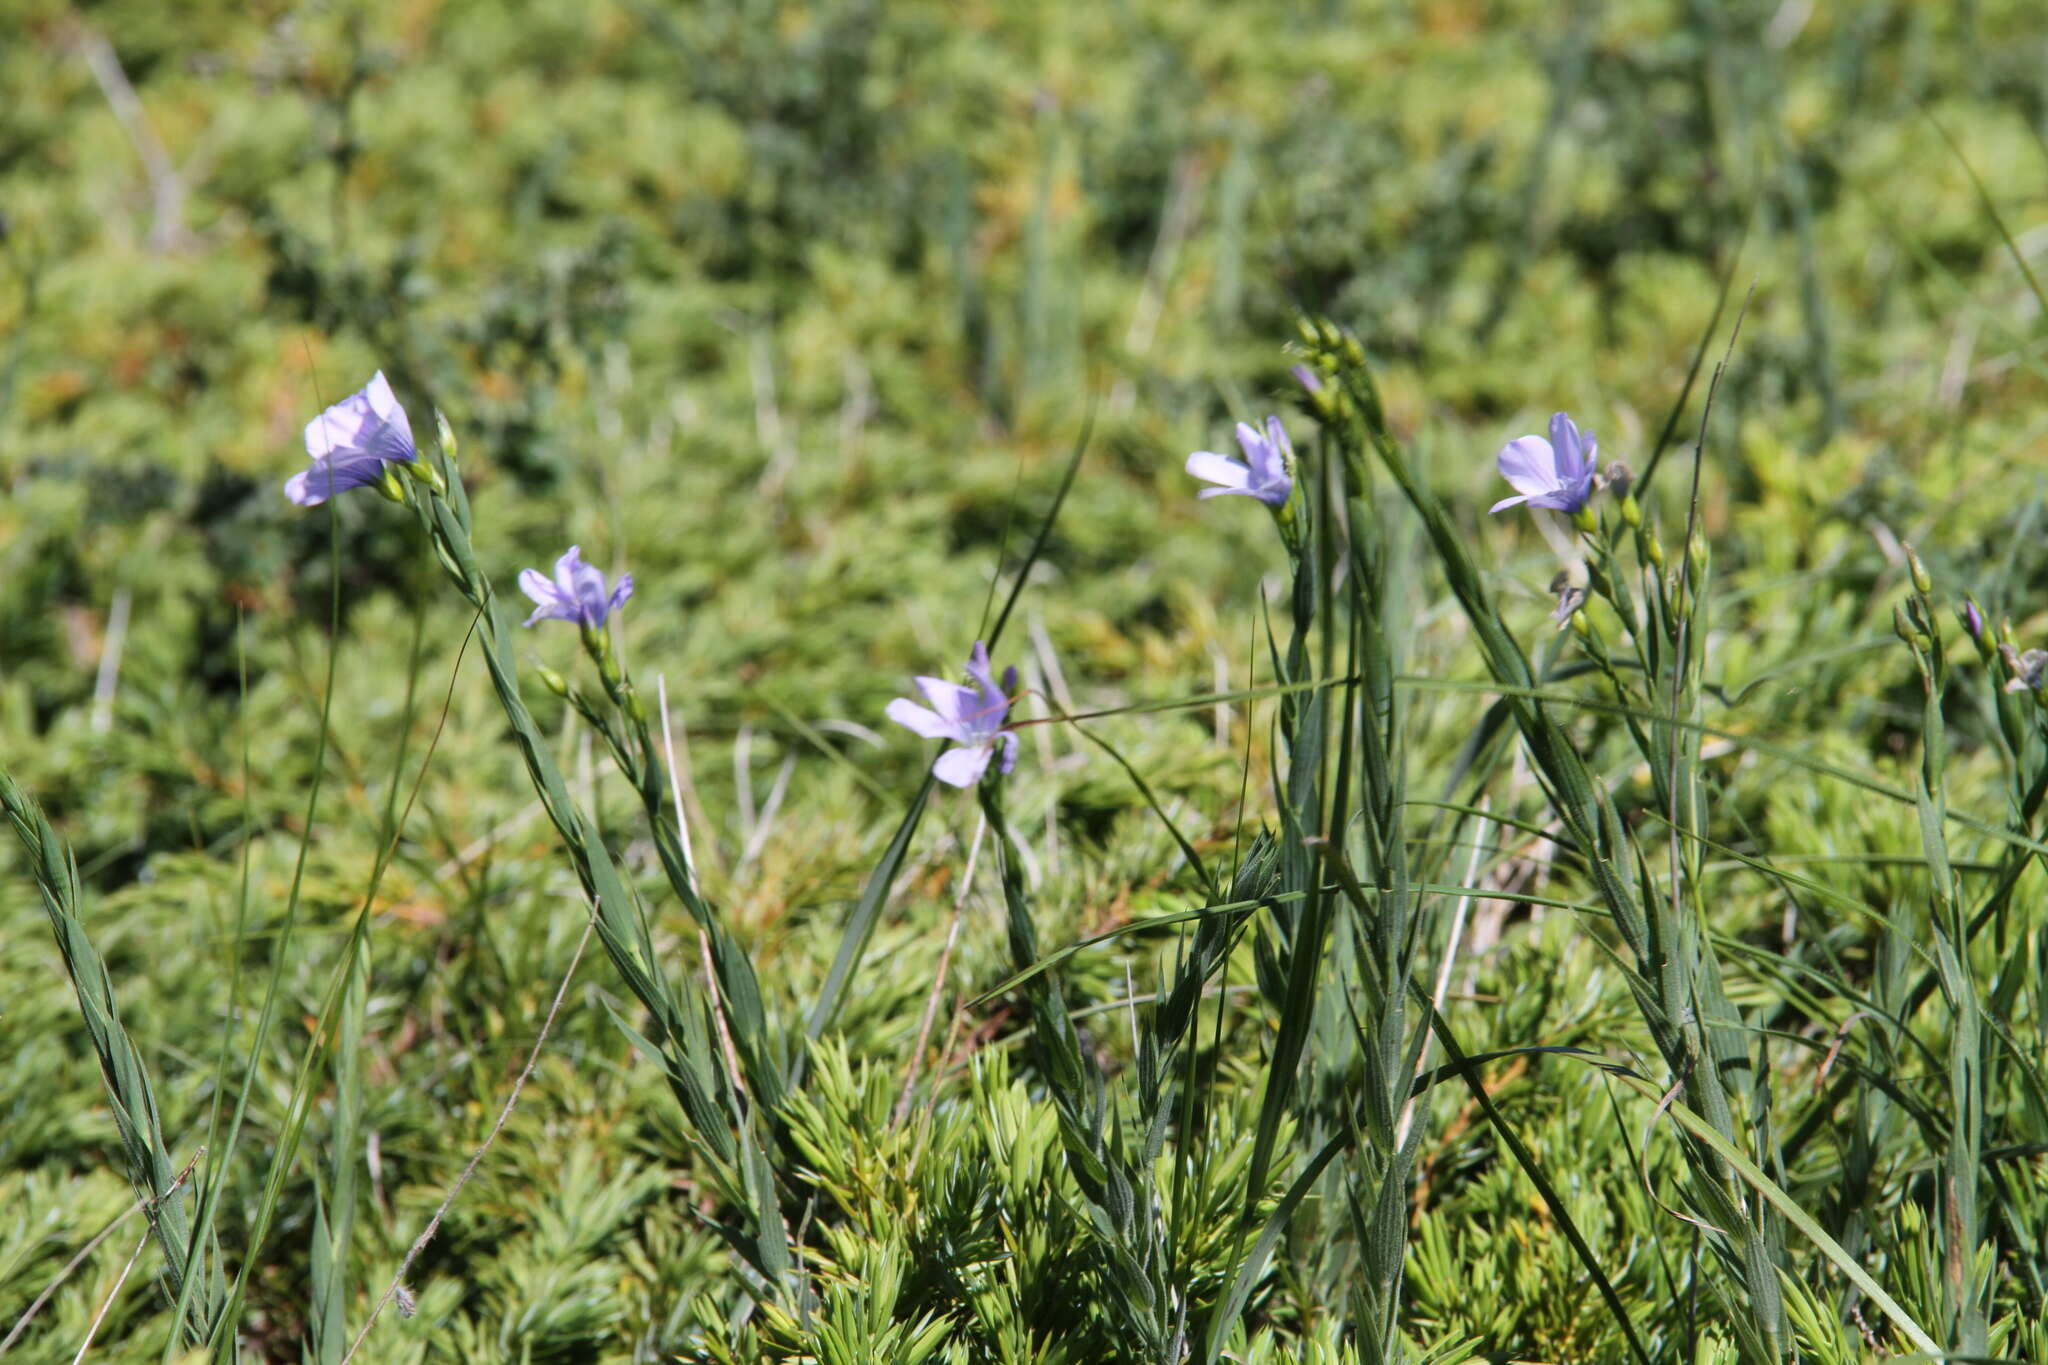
{"points": [[796, 310]]}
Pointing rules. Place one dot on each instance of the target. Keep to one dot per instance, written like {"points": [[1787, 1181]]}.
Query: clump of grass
{"points": [[192, 1265]]}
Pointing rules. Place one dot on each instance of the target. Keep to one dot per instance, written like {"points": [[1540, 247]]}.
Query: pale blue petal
{"points": [[1251, 443], [582, 584], [1529, 464], [963, 767], [949, 699], [1210, 467], [1277, 450], [324, 478], [385, 405], [920, 720]]}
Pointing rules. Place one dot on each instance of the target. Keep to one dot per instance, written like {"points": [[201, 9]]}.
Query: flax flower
{"points": [[1558, 473], [576, 592], [351, 443], [1266, 472], [972, 717]]}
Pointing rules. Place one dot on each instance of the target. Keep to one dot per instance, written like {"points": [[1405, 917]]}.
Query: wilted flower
{"points": [[1570, 597], [972, 717], [576, 593], [2026, 668], [1266, 475], [1307, 378], [1557, 473], [351, 443]]}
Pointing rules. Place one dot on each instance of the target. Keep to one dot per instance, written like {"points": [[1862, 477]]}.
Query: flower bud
{"points": [[389, 485], [552, 681], [1922, 583], [446, 433], [1972, 619], [1974, 626], [422, 472]]}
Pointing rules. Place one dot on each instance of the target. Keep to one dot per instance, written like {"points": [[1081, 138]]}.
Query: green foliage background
{"points": [[796, 310]]}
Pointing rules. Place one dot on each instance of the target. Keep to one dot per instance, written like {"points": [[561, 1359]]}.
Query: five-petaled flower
{"points": [[576, 592], [972, 717], [1557, 473], [1266, 474], [351, 443]]}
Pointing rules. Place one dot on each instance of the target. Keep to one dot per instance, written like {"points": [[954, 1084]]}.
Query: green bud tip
{"points": [[446, 433], [422, 472], [1922, 583]]}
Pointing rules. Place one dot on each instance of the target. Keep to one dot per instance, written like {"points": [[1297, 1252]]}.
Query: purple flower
{"points": [[1307, 378], [1557, 473], [576, 593], [1266, 474], [351, 443], [1972, 618], [972, 717]]}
